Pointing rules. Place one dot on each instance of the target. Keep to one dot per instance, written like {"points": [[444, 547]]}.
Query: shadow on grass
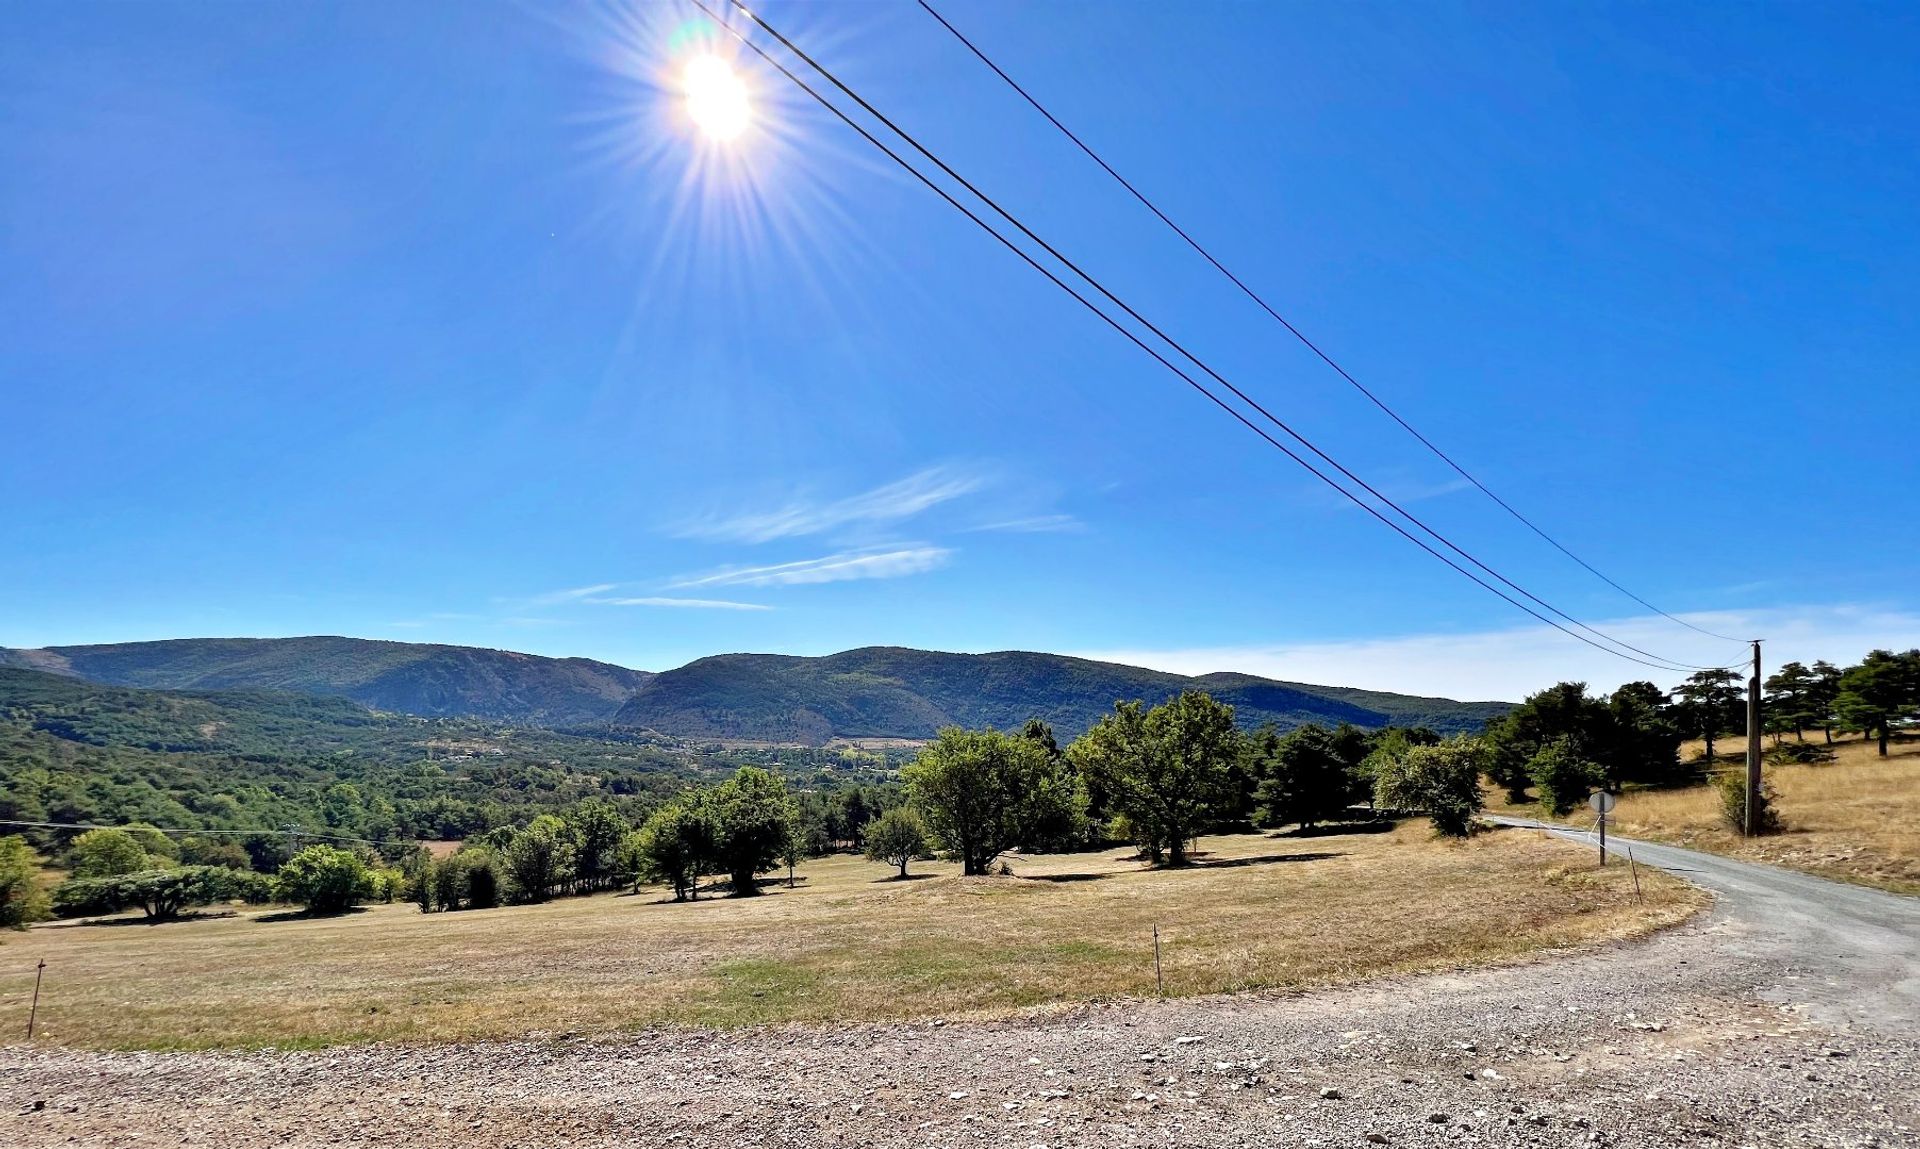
{"points": [[1267, 859], [1068, 877], [902, 878], [1338, 829], [306, 916], [143, 920]]}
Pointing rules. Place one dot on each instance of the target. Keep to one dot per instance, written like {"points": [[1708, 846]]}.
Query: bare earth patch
{"points": [[847, 944]]}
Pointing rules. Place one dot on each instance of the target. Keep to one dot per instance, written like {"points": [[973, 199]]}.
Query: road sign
{"points": [[1601, 801]]}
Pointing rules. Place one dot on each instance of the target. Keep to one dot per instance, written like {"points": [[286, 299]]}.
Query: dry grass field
{"points": [[1856, 819], [847, 943]]}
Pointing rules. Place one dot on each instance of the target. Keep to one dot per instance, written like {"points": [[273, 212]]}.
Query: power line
{"points": [[285, 833], [1668, 665], [1657, 662], [1301, 336]]}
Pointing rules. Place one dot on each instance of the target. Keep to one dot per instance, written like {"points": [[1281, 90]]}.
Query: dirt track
{"points": [[1786, 1016]]}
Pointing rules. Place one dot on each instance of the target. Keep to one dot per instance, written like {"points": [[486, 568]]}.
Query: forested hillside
{"points": [[405, 677], [895, 692], [873, 692], [73, 751]]}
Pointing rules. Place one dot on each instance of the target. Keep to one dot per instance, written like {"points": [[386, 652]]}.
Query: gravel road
{"points": [[1784, 1016]]}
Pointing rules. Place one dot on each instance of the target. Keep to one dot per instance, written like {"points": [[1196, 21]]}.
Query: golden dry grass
{"points": [[1856, 819], [846, 944]]}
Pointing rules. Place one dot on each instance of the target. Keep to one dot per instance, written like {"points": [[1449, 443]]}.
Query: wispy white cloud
{"points": [[683, 603], [575, 594], [892, 503], [829, 568], [1034, 525], [1510, 664]]}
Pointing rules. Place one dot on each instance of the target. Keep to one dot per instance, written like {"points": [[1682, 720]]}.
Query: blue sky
{"points": [[440, 322]]}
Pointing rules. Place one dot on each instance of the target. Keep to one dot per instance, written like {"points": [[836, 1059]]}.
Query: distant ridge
{"points": [[872, 692], [405, 677], [894, 692]]}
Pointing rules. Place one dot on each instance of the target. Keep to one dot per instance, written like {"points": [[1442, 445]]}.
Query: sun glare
{"points": [[716, 99]]}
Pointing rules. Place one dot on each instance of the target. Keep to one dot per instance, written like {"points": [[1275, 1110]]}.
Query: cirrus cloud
{"points": [[894, 502], [842, 567]]}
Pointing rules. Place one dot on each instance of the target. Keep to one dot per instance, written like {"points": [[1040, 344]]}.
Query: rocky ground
{"points": [[1740, 1029]]}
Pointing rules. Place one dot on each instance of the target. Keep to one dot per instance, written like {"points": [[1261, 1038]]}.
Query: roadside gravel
{"points": [[1719, 1032]]}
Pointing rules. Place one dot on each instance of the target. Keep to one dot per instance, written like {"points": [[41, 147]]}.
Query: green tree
{"points": [[480, 876], [1791, 698], [161, 848], [673, 847], [1643, 745], [1308, 780], [22, 901], [753, 821], [1883, 689], [538, 860], [1564, 775], [204, 851], [896, 838], [1166, 770], [980, 792], [160, 894], [107, 853], [1823, 695], [1563, 710], [325, 880], [1707, 704], [597, 828], [1443, 780]]}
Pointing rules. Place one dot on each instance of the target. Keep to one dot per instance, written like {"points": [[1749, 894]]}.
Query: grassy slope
{"points": [[890, 691], [847, 944]]}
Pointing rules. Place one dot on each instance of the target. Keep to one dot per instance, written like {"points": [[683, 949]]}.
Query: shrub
{"points": [[1799, 754], [1563, 775], [1442, 780], [325, 879], [160, 894], [1732, 786], [22, 901], [896, 838]]}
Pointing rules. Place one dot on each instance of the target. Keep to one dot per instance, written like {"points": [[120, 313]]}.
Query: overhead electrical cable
{"points": [[1177, 346], [1301, 336], [1657, 662], [282, 832]]}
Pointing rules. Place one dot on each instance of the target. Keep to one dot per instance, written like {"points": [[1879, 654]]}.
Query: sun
{"points": [[716, 99]]}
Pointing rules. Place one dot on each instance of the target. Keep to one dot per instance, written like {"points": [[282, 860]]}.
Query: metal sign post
{"points": [[1603, 804]]}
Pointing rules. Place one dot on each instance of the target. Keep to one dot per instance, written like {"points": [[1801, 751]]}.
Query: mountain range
{"points": [[872, 692]]}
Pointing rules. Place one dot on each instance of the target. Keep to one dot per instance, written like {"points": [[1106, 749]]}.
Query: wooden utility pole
{"points": [[1753, 745]]}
